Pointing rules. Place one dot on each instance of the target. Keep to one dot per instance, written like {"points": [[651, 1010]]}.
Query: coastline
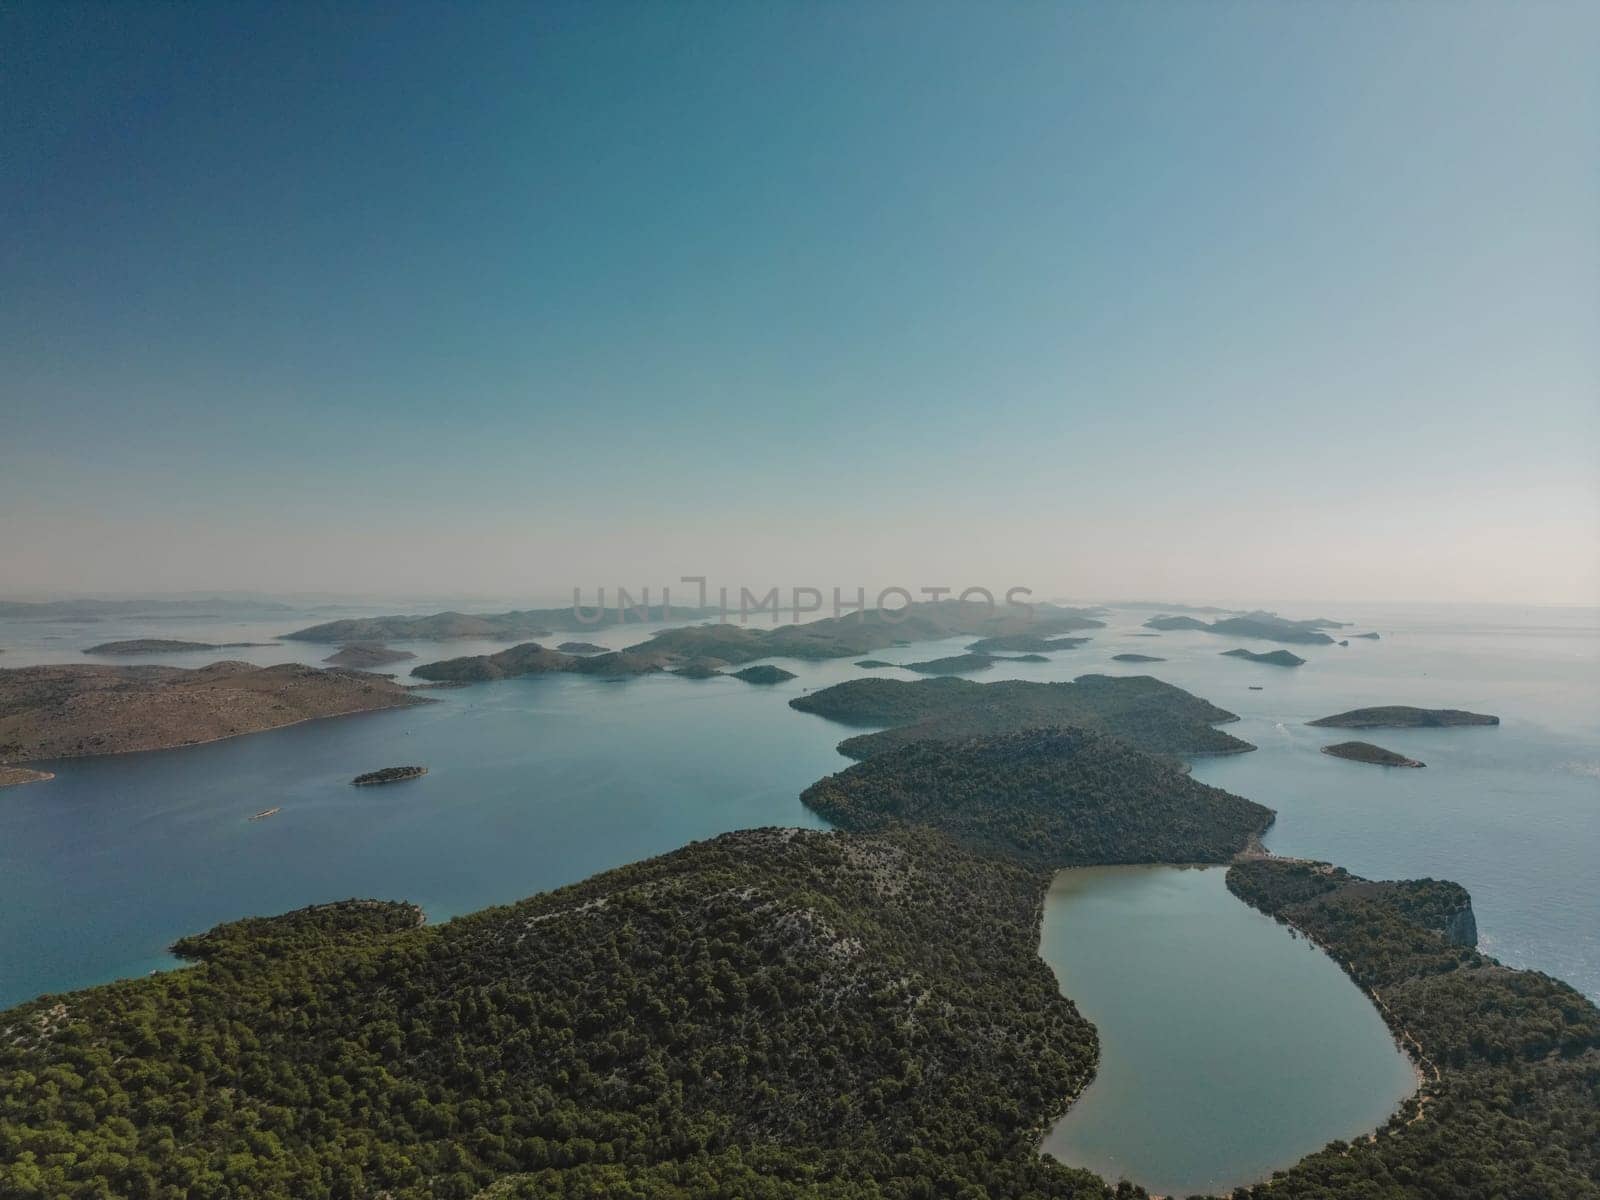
{"points": [[14, 776]]}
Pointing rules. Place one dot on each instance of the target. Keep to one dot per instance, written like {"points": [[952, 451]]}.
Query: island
{"points": [[503, 626], [955, 664], [530, 658], [389, 775], [1029, 642], [1401, 716], [16, 776], [1168, 623], [1371, 637], [1027, 658], [366, 655], [1047, 798], [697, 670], [1273, 658], [1366, 752], [166, 646], [873, 664], [72, 711], [581, 648], [1143, 711], [1136, 658], [1264, 625], [765, 673]]}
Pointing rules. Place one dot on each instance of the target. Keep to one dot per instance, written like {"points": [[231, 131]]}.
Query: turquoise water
{"points": [[1229, 1047], [539, 782]]}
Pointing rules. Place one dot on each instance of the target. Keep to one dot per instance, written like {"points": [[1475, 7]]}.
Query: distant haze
{"points": [[1229, 301]]}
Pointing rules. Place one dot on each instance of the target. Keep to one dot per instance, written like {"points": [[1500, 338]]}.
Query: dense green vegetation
{"points": [[1402, 716], [764, 673], [788, 1013], [1030, 643], [1273, 658], [389, 775], [1152, 715], [1366, 752], [955, 664], [1264, 625], [1136, 658], [530, 658], [1510, 1106], [1046, 798]]}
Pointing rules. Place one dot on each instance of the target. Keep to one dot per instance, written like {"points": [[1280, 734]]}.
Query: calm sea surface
{"points": [[1229, 1047], [539, 782]]}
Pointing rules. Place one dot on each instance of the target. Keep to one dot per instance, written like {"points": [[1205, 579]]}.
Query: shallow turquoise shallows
{"points": [[1229, 1047]]}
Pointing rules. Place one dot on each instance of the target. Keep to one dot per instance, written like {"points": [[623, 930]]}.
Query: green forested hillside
{"points": [[1510, 1106], [1046, 798], [798, 1013], [1146, 712]]}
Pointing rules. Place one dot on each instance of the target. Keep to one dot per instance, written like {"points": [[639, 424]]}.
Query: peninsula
{"points": [[1401, 716], [1145, 712], [71, 711], [1273, 658], [15, 776], [1366, 752]]}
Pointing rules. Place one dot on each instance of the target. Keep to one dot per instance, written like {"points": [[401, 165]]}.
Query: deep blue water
{"points": [[540, 782]]}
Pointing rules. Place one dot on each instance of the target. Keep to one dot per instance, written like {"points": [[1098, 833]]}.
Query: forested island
{"points": [[363, 656], [1136, 658], [955, 664], [1047, 798], [166, 646], [764, 674], [1366, 752], [1273, 658], [1145, 712], [873, 664], [1401, 716], [70, 711], [388, 775], [869, 630], [1264, 625], [1028, 643], [711, 647]]}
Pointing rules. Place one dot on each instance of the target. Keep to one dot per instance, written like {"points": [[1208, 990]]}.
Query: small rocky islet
{"points": [[388, 775], [764, 674], [1136, 658], [1366, 752], [1272, 658], [365, 655]]}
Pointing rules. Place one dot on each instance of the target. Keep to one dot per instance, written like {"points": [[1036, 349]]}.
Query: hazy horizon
{"points": [[1234, 303]]}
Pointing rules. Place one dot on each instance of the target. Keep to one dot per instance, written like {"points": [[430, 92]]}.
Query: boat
{"points": [[264, 814]]}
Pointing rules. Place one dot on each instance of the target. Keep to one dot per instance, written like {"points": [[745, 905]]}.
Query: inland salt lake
{"points": [[1229, 1047]]}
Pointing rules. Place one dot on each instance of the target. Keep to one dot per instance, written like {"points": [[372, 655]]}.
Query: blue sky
{"points": [[1237, 301]]}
